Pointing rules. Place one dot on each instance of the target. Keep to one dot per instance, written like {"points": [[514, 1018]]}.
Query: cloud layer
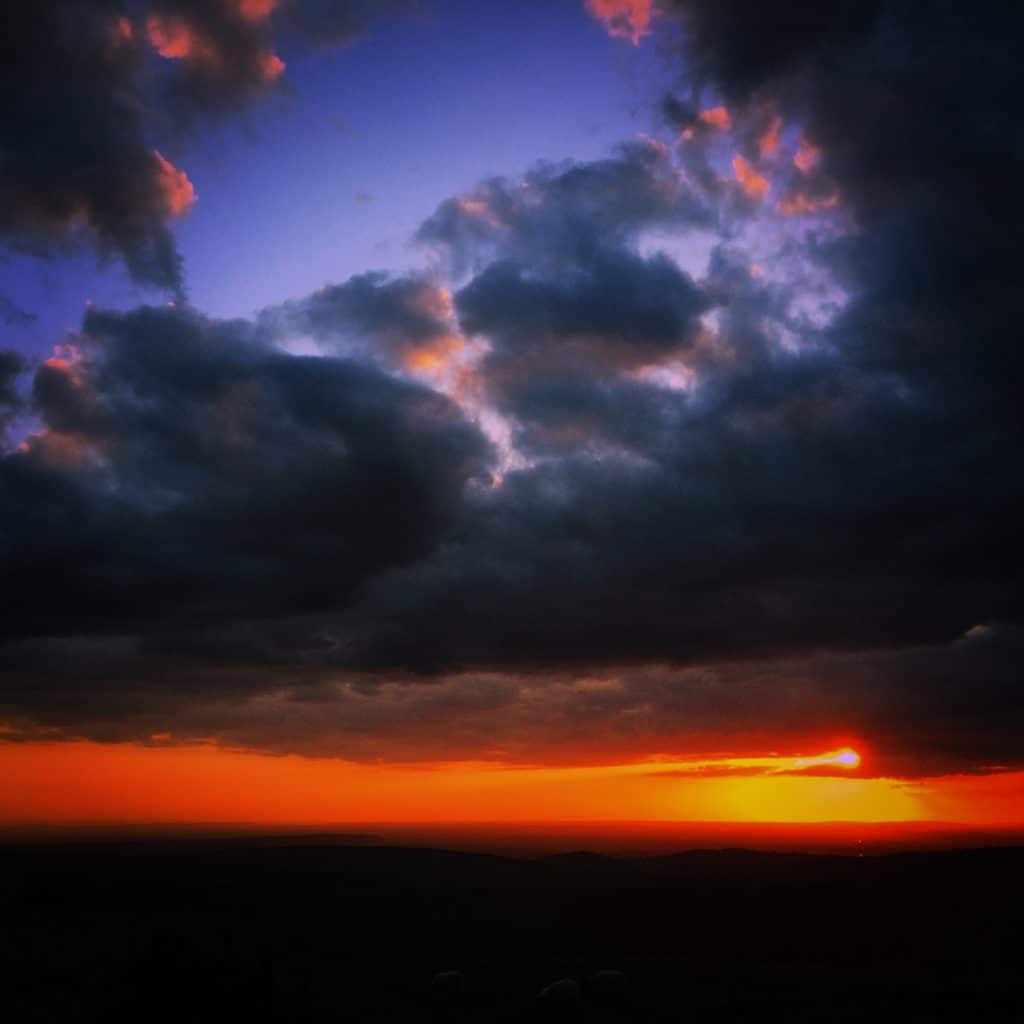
{"points": [[573, 494]]}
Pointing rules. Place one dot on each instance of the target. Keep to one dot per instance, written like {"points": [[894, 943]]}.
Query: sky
{"points": [[437, 411]]}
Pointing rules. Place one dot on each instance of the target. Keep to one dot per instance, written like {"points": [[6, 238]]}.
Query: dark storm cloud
{"points": [[187, 472], [634, 309], [74, 159], [916, 712], [859, 492], [736, 45], [87, 88], [12, 365], [909, 106], [558, 341]]}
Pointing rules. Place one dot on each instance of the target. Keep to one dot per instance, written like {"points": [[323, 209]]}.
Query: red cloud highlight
{"points": [[768, 143], [624, 19], [271, 66], [717, 118], [256, 10], [807, 155], [754, 183], [169, 37], [174, 39], [798, 204], [178, 193]]}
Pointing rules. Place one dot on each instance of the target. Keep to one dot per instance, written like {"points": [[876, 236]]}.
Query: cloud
{"points": [[768, 141], [954, 711], [754, 184], [738, 45], [715, 117], [559, 209], [258, 524], [12, 365], [624, 19], [256, 10], [72, 77], [559, 343], [219, 476], [88, 88], [807, 156], [179, 195], [800, 203], [373, 315]]}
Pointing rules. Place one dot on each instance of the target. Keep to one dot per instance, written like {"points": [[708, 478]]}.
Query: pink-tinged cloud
{"points": [[754, 183], [799, 204], [432, 358], [67, 360], [807, 155], [717, 118], [256, 10], [58, 449], [478, 209], [63, 374], [123, 31], [624, 19], [768, 143], [271, 66], [173, 39], [178, 193], [434, 301]]}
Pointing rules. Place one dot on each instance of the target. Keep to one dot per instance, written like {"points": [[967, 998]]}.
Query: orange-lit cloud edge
{"points": [[77, 781], [624, 19]]}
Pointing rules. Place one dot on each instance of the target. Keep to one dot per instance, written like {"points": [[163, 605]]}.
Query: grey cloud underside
{"points": [[220, 478], [792, 545], [911, 706], [12, 364]]}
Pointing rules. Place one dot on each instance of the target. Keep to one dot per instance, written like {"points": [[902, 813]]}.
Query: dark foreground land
{"points": [[240, 930]]}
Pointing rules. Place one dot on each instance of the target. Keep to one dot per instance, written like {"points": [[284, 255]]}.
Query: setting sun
{"points": [[846, 757]]}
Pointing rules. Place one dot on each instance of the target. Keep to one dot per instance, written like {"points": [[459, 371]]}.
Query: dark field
{"points": [[302, 930]]}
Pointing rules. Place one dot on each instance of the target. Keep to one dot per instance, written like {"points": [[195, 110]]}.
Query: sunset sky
{"points": [[510, 411]]}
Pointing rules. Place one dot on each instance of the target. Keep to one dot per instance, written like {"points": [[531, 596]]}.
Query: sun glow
{"points": [[845, 758]]}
